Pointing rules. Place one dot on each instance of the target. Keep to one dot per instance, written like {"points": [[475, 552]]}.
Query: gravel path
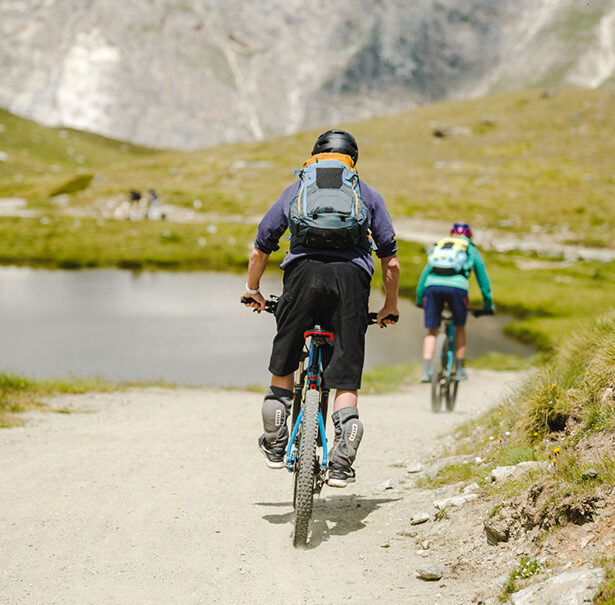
{"points": [[157, 496]]}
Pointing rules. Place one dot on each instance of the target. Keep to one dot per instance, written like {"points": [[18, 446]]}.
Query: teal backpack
{"points": [[328, 212], [449, 256]]}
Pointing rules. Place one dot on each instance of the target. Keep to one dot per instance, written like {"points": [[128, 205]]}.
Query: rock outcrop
{"points": [[187, 74]]}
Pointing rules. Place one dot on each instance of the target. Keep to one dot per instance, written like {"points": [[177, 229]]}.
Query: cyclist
{"points": [[329, 286], [439, 286]]}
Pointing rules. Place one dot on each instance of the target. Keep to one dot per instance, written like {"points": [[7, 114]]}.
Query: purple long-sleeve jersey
{"points": [[275, 223]]}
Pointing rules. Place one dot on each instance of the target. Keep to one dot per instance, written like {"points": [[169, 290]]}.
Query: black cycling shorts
{"points": [[333, 294]]}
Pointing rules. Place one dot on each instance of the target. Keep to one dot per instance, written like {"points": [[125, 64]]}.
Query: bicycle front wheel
{"points": [[306, 464], [438, 373]]}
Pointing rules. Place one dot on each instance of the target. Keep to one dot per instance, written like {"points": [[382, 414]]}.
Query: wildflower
{"points": [[556, 450], [553, 385], [500, 412], [587, 373], [535, 434]]}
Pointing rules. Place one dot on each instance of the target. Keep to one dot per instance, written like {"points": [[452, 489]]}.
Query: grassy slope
{"points": [[564, 415], [530, 163]]}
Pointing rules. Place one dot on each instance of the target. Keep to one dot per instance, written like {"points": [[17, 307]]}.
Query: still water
{"points": [[178, 327]]}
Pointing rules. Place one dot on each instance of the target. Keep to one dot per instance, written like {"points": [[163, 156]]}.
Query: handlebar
{"points": [[481, 312], [373, 319], [272, 304]]}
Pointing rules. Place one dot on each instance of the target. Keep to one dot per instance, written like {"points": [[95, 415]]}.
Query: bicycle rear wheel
{"points": [[438, 370], [304, 479]]}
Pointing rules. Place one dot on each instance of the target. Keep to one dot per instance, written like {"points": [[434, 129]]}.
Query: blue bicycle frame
{"points": [[314, 381], [450, 353]]}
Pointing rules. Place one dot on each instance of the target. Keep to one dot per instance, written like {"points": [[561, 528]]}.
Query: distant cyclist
{"points": [[333, 216], [445, 280]]}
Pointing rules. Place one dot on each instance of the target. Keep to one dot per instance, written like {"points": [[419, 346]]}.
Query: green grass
{"points": [[606, 594], [526, 569], [385, 379], [19, 394], [494, 360], [69, 243]]}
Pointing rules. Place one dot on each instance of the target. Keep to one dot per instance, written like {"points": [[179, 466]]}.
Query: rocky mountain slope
{"points": [[186, 74]]}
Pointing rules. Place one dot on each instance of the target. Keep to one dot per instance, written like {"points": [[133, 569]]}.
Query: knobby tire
{"points": [[438, 370], [304, 486]]}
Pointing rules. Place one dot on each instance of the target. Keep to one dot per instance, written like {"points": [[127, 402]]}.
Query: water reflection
{"points": [[178, 327]]}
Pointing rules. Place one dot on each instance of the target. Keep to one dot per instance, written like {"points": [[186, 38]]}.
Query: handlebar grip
{"points": [[481, 312], [246, 299], [373, 318]]}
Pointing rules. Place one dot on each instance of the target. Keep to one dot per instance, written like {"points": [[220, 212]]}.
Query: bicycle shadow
{"points": [[331, 516]]}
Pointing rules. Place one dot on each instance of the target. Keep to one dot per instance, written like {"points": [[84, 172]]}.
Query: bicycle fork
{"points": [[294, 442]]}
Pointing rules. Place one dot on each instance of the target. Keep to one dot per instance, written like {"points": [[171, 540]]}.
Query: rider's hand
{"points": [[385, 312], [259, 305]]}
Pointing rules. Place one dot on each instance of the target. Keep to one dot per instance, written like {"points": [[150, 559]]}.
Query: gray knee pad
{"points": [[348, 434], [275, 410]]}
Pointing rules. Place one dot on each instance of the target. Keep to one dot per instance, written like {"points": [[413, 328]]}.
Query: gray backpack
{"points": [[328, 212]]}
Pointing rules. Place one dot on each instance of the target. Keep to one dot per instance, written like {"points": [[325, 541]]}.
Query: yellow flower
{"points": [[535, 434], [500, 412], [553, 385], [556, 450]]}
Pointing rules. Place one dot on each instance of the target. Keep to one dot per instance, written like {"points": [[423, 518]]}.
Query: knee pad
{"points": [[275, 411], [348, 435]]}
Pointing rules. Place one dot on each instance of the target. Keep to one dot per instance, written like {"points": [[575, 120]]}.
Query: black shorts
{"points": [[333, 294]]}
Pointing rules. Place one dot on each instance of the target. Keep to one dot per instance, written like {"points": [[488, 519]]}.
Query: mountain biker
{"points": [[435, 289], [329, 286]]}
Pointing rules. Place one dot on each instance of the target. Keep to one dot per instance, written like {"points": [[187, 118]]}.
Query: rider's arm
{"points": [[275, 221], [270, 229], [420, 289], [390, 280], [256, 268], [482, 277], [381, 225]]}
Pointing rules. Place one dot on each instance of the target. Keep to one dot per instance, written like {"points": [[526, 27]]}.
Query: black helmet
{"points": [[337, 141]]}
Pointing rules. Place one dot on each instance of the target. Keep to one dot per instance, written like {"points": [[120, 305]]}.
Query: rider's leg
{"points": [[348, 434], [433, 302], [284, 382], [460, 342], [345, 398], [429, 346], [460, 314], [460, 353], [275, 411]]}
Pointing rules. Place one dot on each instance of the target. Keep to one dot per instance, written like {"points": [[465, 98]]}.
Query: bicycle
{"points": [[443, 384], [306, 453]]}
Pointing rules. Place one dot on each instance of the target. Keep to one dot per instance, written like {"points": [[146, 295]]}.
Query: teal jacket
{"points": [[475, 263]]}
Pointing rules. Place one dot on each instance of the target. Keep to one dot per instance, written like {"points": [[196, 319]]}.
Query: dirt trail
{"points": [[160, 496]]}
